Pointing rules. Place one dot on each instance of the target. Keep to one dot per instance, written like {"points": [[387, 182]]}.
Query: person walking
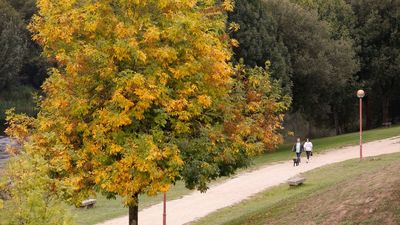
{"points": [[308, 146], [298, 148]]}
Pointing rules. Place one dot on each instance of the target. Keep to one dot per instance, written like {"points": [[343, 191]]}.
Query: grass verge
{"points": [[108, 209], [350, 192]]}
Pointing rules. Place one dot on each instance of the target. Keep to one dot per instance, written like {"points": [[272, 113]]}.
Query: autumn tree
{"points": [[135, 81], [255, 109]]}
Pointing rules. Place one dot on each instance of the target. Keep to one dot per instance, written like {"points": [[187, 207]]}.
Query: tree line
{"points": [[323, 51], [320, 51]]}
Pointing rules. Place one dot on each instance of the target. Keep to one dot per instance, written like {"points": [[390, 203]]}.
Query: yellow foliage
{"points": [[234, 43], [18, 127], [228, 5], [204, 100], [257, 108], [133, 77]]}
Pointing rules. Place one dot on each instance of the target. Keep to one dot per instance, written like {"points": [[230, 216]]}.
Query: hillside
{"points": [[352, 192]]}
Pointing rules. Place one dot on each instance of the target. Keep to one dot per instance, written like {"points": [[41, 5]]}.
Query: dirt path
{"points": [[197, 205]]}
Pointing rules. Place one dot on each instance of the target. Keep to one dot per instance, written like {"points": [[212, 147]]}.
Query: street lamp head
{"points": [[360, 93]]}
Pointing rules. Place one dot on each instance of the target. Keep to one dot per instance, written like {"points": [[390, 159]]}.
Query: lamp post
{"points": [[360, 95]]}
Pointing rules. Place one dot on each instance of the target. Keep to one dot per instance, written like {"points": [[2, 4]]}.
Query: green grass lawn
{"points": [[108, 209], [350, 192]]}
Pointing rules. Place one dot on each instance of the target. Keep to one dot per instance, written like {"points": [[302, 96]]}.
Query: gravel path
{"points": [[197, 205]]}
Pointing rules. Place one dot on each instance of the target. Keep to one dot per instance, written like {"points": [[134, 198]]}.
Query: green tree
{"points": [[337, 13], [26, 8], [260, 41], [34, 66], [377, 34], [321, 66], [341, 20], [22, 68], [12, 45]]}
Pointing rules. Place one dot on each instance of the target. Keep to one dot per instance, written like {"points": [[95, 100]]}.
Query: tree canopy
{"points": [[130, 81], [337, 13]]}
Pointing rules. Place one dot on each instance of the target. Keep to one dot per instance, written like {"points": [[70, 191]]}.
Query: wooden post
{"points": [[165, 209]]}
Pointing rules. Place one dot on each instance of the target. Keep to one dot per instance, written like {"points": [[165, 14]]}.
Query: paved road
{"points": [[197, 205]]}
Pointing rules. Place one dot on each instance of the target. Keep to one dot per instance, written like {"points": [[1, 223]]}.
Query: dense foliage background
{"points": [[321, 52]]}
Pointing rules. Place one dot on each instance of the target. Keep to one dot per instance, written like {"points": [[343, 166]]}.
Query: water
{"points": [[4, 141]]}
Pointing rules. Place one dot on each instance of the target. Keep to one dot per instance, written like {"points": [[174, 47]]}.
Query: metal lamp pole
{"points": [[165, 209], [360, 95]]}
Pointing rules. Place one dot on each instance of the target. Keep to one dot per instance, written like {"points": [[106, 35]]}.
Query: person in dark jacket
{"points": [[298, 148]]}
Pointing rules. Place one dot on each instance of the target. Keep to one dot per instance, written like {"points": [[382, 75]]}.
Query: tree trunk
{"points": [[336, 121], [368, 110], [134, 212], [385, 109], [309, 133]]}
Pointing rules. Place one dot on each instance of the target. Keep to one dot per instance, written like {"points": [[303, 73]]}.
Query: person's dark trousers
{"points": [[298, 157], [308, 154]]}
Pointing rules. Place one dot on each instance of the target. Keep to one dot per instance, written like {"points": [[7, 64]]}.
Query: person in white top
{"points": [[308, 146]]}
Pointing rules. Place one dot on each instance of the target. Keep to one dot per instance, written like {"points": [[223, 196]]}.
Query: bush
{"points": [[30, 200]]}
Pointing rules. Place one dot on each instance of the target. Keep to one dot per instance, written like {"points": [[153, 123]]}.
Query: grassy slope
{"points": [[344, 193], [108, 209]]}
